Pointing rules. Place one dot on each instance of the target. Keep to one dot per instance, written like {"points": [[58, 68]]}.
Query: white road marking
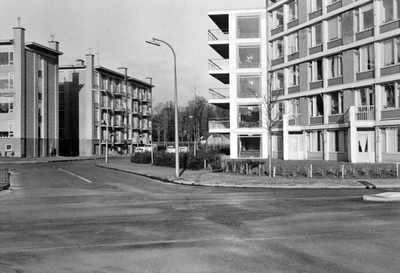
{"points": [[84, 179]]}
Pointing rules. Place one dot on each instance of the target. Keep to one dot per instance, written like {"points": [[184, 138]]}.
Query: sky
{"points": [[115, 31]]}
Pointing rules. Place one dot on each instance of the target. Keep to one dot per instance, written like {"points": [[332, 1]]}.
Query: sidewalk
{"points": [[220, 179]]}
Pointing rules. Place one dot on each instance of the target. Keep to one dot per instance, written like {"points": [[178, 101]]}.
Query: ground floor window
{"points": [[316, 141], [249, 146], [277, 143], [390, 139], [338, 141]]}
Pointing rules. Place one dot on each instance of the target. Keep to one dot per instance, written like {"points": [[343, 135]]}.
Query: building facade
{"points": [[28, 97], [335, 66], [102, 109], [241, 43]]}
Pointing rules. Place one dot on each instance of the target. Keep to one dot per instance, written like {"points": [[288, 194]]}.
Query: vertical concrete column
{"points": [[378, 151], [234, 145], [285, 136], [378, 101], [353, 141], [19, 90], [88, 106], [326, 144]]}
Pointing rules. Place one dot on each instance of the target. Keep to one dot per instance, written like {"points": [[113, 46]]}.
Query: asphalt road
{"points": [[76, 217]]}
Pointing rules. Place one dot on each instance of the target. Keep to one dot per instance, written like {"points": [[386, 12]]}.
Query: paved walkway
{"points": [[217, 179]]}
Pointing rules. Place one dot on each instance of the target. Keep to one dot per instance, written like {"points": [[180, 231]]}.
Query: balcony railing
{"points": [[218, 64], [365, 112], [218, 93], [219, 124], [218, 35]]}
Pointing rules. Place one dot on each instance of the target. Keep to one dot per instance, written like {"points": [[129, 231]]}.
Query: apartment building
{"points": [[335, 68], [102, 109], [240, 39], [28, 97]]}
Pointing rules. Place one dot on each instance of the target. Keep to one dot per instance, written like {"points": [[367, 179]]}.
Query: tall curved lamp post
{"points": [[157, 42]]}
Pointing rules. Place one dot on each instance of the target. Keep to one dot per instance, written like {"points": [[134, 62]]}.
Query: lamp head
{"points": [[153, 42]]}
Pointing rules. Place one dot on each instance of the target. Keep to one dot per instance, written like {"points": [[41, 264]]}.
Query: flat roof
{"points": [[36, 46]]}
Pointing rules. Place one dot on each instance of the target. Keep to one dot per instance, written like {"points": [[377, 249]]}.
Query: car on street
{"points": [[170, 149], [183, 149], [140, 150], [150, 147]]}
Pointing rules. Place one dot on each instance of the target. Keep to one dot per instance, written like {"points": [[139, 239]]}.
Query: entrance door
{"points": [[365, 147]]}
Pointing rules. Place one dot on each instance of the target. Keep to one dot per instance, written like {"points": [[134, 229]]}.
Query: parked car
{"points": [[183, 149], [150, 147], [140, 150], [170, 149]]}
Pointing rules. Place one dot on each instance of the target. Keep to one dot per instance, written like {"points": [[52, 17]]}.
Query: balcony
{"points": [[365, 113], [219, 41], [216, 125], [219, 69], [219, 97]]}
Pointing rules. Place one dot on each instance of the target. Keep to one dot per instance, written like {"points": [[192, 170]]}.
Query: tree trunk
{"points": [[270, 153]]}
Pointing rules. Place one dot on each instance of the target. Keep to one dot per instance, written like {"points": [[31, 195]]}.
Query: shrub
{"points": [[141, 158]]}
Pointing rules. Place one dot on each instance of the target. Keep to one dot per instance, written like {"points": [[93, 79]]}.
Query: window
{"points": [[335, 28], [277, 17], [366, 58], [391, 140], [316, 5], [390, 10], [249, 86], [248, 27], [6, 55], [10, 128], [391, 96], [335, 66], [294, 75], [249, 56], [293, 43], [391, 52], [316, 106], [249, 146], [278, 79], [6, 104], [6, 80], [316, 72], [316, 35], [316, 141], [364, 18], [277, 47], [278, 111], [293, 11], [249, 116], [338, 141], [336, 103], [332, 1]]}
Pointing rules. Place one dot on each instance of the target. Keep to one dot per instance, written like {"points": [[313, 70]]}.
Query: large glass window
{"points": [[391, 96], [249, 146], [278, 48], [316, 106], [249, 116], [390, 10], [390, 140], [293, 43], [248, 27], [336, 103], [366, 58], [293, 10], [316, 70], [316, 35], [277, 16], [334, 28], [249, 56], [338, 141], [249, 86], [6, 55], [6, 104], [316, 141], [335, 66], [279, 79], [294, 75], [391, 52], [365, 18], [315, 5], [6, 80]]}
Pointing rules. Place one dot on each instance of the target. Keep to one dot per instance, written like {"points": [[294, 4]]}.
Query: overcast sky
{"points": [[118, 30]]}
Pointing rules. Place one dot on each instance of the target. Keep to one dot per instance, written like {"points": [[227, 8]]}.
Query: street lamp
{"points": [[151, 128], [196, 131], [157, 42]]}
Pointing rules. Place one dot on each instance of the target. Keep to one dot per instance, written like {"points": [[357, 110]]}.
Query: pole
{"points": [[176, 110], [106, 128]]}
